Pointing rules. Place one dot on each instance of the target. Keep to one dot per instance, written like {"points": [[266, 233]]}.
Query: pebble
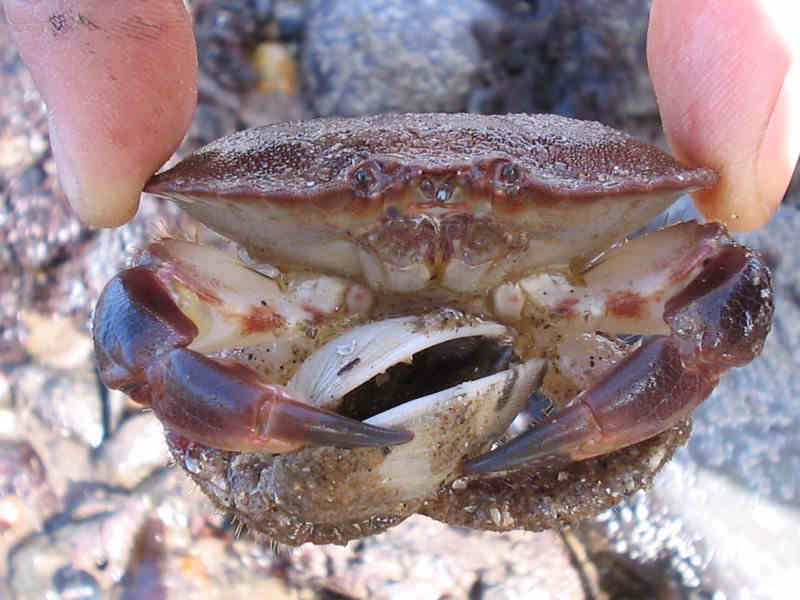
{"points": [[135, 451], [70, 402], [26, 497], [378, 56], [277, 69], [54, 340], [74, 584], [97, 542]]}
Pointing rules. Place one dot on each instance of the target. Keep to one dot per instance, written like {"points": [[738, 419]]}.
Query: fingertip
{"points": [[101, 203], [780, 148], [99, 200], [754, 181], [722, 73], [119, 80]]}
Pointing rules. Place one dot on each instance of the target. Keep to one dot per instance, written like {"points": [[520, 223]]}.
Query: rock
{"points": [[134, 451], [422, 558], [8, 418], [26, 497], [53, 340], [69, 401], [65, 458], [583, 59], [378, 56], [76, 585], [92, 545]]}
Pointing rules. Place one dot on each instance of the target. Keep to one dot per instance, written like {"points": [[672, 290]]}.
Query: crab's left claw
{"points": [[230, 406], [141, 339], [718, 321]]}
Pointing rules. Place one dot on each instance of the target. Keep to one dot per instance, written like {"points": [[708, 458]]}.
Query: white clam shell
{"points": [[361, 353], [448, 425]]}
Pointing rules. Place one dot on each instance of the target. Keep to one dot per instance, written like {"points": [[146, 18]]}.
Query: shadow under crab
{"points": [[495, 245]]}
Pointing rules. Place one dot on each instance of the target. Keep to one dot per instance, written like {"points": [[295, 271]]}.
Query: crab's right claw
{"points": [[141, 339], [718, 321]]}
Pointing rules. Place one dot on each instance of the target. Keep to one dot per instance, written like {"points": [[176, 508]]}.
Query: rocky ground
{"points": [[90, 506]]}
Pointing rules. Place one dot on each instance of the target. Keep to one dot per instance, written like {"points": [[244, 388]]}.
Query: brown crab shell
{"points": [[306, 161], [301, 192]]}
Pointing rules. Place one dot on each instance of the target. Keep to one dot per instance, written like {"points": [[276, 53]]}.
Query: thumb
{"points": [[727, 79], [119, 80]]}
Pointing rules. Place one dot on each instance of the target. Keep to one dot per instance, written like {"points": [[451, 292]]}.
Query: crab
{"points": [[435, 314]]}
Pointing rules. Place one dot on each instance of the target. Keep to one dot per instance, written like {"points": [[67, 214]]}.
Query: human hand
{"points": [[727, 79], [119, 79]]}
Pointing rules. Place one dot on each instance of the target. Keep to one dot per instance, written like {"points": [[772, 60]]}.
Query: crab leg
{"points": [[718, 320], [625, 291], [142, 340]]}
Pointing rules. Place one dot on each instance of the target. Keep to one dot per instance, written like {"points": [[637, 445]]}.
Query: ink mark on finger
{"points": [[87, 22], [59, 23]]}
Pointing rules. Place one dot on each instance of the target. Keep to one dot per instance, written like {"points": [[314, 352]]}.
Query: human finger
{"points": [[728, 86], [119, 80]]}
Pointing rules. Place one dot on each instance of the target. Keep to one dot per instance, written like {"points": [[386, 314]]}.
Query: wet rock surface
{"points": [[414, 56], [90, 506]]}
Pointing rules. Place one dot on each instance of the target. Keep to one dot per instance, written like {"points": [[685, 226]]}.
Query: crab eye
{"points": [[427, 188], [507, 173], [363, 177], [366, 176]]}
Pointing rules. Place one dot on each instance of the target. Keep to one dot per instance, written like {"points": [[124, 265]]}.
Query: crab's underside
{"points": [[435, 313]]}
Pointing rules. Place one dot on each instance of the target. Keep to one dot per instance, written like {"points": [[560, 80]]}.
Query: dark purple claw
{"points": [[642, 396], [229, 406], [719, 320], [140, 338], [135, 322]]}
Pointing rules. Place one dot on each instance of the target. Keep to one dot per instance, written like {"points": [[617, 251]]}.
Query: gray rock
{"points": [[66, 458], [584, 59], [75, 584], [94, 538], [26, 498], [69, 401], [378, 56], [723, 517], [45, 409], [422, 558]]}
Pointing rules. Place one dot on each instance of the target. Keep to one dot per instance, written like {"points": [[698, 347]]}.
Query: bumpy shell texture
{"points": [[535, 501], [561, 157]]}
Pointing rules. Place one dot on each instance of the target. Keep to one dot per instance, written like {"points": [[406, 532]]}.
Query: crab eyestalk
{"points": [[141, 340], [718, 321]]}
